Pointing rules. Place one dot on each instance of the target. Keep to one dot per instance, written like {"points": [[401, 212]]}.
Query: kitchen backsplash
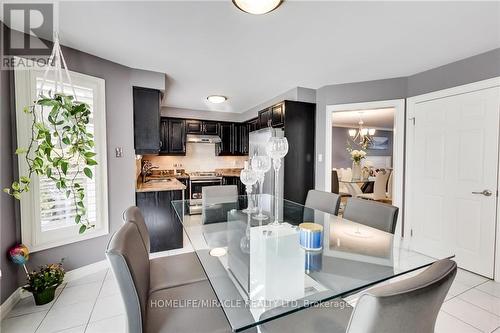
{"points": [[199, 157]]}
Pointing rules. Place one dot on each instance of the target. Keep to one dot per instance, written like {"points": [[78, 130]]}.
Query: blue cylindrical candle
{"points": [[311, 236]]}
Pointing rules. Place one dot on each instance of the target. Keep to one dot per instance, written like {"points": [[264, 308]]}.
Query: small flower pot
{"points": [[45, 296]]}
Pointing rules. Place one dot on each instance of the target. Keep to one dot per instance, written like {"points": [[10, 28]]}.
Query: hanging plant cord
{"points": [[61, 147]]}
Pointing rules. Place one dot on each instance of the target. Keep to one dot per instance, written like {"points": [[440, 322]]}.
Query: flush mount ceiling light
{"points": [[216, 99], [257, 7], [218, 252]]}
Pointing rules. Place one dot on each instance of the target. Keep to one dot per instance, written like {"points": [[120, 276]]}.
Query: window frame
{"points": [[31, 233]]}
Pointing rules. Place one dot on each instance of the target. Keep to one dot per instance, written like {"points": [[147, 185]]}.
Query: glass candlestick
{"points": [[261, 164], [248, 177], [277, 148]]}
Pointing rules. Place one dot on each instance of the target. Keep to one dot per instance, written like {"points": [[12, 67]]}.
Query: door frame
{"points": [[410, 149], [398, 150]]}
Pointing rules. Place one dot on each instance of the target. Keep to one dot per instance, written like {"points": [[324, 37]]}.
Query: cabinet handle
{"points": [[161, 143]]}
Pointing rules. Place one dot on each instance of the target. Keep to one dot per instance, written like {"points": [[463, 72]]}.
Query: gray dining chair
{"points": [[324, 201], [410, 306], [167, 271], [148, 310], [371, 213]]}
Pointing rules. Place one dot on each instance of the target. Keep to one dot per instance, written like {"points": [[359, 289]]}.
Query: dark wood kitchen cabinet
{"points": [[165, 229], [253, 124], [210, 128], [146, 120], [173, 136], [278, 115], [241, 139], [194, 126], [265, 118], [226, 146]]}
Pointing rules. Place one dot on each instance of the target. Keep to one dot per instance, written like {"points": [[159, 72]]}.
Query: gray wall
{"points": [[349, 93], [340, 155], [480, 67], [199, 114], [296, 94], [121, 171], [9, 233]]}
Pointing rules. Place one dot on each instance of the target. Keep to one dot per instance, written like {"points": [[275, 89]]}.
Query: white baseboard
{"points": [[71, 275], [10, 302]]}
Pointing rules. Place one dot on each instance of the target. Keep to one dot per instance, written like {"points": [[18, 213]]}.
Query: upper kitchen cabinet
{"points": [[253, 124], [227, 136], [265, 118], [194, 126], [210, 128], [278, 115], [202, 127], [173, 136], [146, 120], [241, 139]]}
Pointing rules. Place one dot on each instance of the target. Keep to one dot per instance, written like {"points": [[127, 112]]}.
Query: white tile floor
{"points": [[93, 305]]}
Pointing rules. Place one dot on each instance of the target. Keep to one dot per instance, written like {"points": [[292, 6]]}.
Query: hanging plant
{"points": [[60, 144], [61, 147]]}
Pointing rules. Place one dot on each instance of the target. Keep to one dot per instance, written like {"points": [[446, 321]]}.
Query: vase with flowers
{"points": [[356, 156]]}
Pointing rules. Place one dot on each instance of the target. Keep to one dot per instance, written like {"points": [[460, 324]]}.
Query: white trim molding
{"points": [[411, 105], [398, 146]]}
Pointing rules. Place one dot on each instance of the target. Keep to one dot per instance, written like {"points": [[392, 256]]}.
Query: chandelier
{"points": [[361, 135]]}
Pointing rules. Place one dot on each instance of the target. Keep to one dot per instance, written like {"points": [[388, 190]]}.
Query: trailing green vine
{"points": [[60, 145]]}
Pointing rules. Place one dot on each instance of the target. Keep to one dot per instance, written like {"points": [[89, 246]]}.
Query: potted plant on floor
{"points": [[44, 282]]}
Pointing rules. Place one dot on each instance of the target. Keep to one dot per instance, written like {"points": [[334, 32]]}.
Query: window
{"points": [[47, 216]]}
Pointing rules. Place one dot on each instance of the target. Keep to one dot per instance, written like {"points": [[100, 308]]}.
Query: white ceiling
{"points": [[377, 118], [214, 48]]}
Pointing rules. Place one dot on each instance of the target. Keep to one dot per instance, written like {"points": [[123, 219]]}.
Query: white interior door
{"points": [[454, 156]]}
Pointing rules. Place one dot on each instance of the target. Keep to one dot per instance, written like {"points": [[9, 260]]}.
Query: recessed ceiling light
{"points": [[218, 252], [216, 99], [257, 7]]}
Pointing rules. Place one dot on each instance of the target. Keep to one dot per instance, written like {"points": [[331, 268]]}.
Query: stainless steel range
{"points": [[197, 180]]}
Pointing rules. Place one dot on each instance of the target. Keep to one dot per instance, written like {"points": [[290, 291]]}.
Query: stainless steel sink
{"points": [[158, 180]]}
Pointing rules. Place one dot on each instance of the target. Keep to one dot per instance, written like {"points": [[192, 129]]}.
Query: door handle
{"points": [[486, 193]]}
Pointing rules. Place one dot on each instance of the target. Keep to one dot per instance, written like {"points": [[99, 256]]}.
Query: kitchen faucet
{"points": [[147, 166]]}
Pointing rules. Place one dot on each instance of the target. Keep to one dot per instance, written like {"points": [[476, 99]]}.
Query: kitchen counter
{"points": [[166, 184], [229, 172]]}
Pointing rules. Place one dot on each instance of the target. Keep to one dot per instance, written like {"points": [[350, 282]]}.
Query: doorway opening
{"points": [[372, 132]]}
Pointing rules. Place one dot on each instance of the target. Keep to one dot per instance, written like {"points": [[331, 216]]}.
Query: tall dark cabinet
{"points": [[146, 120]]}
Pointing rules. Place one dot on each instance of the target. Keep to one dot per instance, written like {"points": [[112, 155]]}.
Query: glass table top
{"points": [[369, 179], [260, 271]]}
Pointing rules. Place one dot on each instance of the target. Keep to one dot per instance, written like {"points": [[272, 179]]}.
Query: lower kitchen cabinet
{"points": [[165, 229]]}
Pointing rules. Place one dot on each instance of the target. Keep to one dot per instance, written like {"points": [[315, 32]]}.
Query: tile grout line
{"points": [[55, 300], [95, 302], [480, 330]]}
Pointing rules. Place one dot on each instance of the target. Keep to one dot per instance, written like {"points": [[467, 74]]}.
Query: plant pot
{"points": [[45, 296]]}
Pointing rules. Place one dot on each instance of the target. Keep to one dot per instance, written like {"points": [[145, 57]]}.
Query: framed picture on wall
{"points": [[379, 143]]}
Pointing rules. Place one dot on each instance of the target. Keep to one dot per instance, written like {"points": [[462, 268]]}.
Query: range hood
{"points": [[203, 138]]}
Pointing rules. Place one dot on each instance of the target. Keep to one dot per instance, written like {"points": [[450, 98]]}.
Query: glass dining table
{"points": [[260, 272]]}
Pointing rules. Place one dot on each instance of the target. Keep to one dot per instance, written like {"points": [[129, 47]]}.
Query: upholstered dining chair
{"points": [[166, 271], [324, 201], [379, 188], [336, 188], [372, 213], [131, 267], [410, 306]]}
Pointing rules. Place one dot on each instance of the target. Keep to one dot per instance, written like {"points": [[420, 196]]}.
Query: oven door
{"points": [[197, 185]]}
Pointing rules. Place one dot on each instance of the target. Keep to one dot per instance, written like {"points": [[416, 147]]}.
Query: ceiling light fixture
{"points": [[257, 7], [362, 135], [216, 99]]}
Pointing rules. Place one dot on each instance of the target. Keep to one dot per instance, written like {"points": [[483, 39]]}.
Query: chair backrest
{"points": [[389, 185], [133, 215], [371, 213], [335, 182], [380, 185], [129, 262], [347, 174], [411, 305], [219, 194], [323, 201]]}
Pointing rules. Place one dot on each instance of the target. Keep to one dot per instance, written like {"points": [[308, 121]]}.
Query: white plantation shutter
{"points": [[47, 214]]}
